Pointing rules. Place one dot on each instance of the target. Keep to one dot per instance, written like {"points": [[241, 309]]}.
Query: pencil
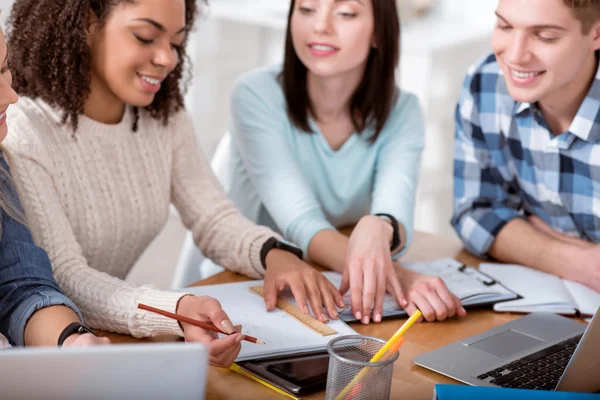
{"points": [[243, 372], [200, 324], [381, 353]]}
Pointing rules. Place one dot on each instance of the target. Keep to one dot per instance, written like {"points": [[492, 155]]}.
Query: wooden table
{"points": [[409, 381]]}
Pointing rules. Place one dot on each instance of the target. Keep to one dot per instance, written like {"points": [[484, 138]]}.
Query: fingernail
{"points": [[358, 315], [305, 309], [335, 315], [463, 310], [269, 306], [365, 320], [227, 326], [404, 303], [377, 318]]}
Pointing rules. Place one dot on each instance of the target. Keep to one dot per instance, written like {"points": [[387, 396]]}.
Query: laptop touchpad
{"points": [[507, 343]]}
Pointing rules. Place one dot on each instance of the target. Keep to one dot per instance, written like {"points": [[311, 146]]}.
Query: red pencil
{"points": [[200, 324]]}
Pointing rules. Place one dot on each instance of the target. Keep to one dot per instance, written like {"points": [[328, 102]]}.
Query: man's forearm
{"points": [[519, 242]]}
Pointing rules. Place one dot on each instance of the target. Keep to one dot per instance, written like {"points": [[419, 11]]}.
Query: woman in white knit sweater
{"points": [[101, 146]]}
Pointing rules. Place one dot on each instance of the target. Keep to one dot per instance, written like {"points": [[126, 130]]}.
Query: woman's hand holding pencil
{"points": [[201, 319]]}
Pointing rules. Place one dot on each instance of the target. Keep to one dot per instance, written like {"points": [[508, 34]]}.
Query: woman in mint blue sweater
{"points": [[328, 140]]}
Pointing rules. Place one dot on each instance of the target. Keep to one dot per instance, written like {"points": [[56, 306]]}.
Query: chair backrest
{"points": [[221, 161]]}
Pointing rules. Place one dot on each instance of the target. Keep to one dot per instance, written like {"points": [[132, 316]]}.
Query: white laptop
{"points": [[111, 372]]}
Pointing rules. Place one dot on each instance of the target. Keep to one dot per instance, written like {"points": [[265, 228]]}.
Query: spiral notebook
{"points": [[474, 288]]}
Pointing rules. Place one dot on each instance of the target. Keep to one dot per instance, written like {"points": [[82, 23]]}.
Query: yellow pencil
{"points": [[379, 355], [243, 372]]}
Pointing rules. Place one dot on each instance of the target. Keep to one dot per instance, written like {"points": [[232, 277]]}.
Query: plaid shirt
{"points": [[508, 164]]}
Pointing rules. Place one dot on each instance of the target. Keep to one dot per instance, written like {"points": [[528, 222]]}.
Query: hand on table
{"points": [[369, 270], [306, 283], [429, 294]]}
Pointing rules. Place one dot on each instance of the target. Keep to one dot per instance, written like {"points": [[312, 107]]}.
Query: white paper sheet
{"points": [[282, 333], [587, 299], [540, 291]]}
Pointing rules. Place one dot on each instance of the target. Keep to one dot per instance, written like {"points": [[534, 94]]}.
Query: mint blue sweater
{"points": [[293, 182]]}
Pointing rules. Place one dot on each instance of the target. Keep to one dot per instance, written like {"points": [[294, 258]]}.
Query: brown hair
{"points": [[52, 61], [586, 11], [373, 99]]}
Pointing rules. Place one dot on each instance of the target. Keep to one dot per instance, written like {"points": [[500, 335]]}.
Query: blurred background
{"points": [[440, 40]]}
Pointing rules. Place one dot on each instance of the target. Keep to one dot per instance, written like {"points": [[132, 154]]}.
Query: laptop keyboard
{"points": [[541, 370]]}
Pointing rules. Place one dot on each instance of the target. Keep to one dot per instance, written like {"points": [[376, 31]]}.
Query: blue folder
{"points": [[463, 392]]}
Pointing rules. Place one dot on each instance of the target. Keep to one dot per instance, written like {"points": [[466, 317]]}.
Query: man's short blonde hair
{"points": [[586, 11]]}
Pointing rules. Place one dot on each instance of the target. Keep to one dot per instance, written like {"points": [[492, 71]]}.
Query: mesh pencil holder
{"points": [[349, 365]]}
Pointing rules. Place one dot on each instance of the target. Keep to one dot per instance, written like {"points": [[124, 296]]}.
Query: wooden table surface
{"points": [[409, 381]]}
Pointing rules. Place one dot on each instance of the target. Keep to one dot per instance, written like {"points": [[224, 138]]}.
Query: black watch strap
{"points": [[273, 243], [395, 245], [71, 329]]}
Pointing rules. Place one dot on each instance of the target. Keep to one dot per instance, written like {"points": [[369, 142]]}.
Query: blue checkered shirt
{"points": [[508, 164]]}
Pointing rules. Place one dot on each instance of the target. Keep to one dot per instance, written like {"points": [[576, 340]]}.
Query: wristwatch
{"points": [[72, 329], [396, 242], [274, 243]]}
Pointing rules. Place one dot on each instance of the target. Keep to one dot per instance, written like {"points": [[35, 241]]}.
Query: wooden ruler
{"points": [[306, 319]]}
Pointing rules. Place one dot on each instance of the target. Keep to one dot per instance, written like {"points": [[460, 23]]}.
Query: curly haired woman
{"points": [[102, 145]]}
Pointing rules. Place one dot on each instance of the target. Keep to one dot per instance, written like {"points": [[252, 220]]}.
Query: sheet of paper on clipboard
{"points": [[473, 287]]}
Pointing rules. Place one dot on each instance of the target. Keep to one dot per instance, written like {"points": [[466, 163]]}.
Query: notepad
{"points": [[282, 334], [467, 283], [541, 291]]}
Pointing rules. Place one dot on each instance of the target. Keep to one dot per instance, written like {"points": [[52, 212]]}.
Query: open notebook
{"points": [[467, 283], [282, 334], [542, 292]]}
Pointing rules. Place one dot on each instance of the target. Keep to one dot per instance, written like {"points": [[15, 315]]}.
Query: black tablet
{"points": [[301, 375]]}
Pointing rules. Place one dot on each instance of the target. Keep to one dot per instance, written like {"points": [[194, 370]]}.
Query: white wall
{"points": [[5, 6]]}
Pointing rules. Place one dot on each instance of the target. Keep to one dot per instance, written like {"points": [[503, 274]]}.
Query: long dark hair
{"points": [[52, 61], [373, 99]]}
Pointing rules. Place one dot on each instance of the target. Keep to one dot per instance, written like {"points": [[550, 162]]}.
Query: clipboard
{"points": [[475, 288]]}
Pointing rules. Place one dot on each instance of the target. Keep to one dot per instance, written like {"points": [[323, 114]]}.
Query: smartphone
{"points": [[301, 375]]}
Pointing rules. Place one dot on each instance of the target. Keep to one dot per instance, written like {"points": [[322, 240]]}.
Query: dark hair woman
{"points": [[328, 140]]}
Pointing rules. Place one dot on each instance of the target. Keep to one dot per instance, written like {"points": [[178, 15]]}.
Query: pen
{"points": [[200, 324], [235, 367]]}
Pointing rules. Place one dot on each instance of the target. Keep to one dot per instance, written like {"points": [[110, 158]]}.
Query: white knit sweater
{"points": [[94, 201]]}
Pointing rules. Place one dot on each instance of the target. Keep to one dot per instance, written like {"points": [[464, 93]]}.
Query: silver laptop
{"points": [[115, 372], [539, 351]]}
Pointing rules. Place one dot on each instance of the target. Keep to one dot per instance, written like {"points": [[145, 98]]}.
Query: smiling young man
{"points": [[527, 151]]}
